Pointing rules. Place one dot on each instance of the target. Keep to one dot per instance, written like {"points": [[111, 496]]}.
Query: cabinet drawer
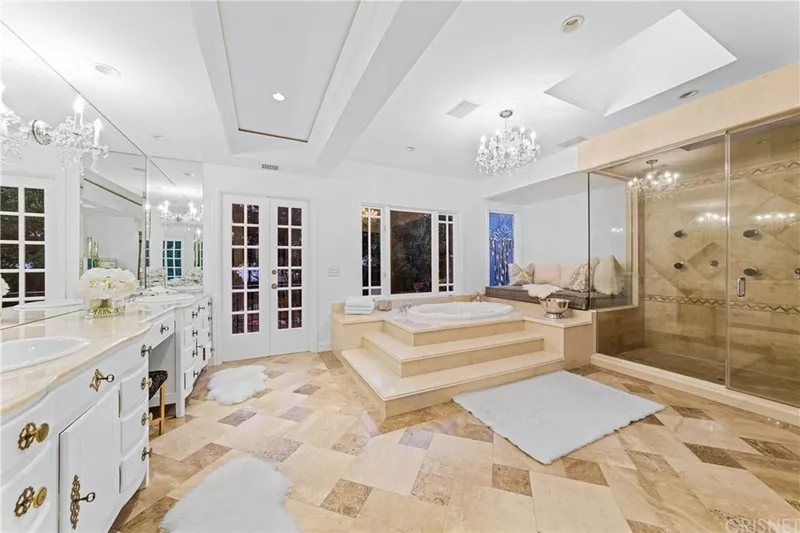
{"points": [[134, 464], [188, 356], [133, 425], [133, 390], [24, 437], [189, 334], [39, 480], [188, 380], [161, 330]]}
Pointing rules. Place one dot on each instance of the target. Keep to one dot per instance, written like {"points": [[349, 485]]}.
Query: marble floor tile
{"points": [[206, 455], [314, 471], [505, 453], [297, 413], [459, 427], [643, 527], [677, 507], [148, 521], [313, 519], [181, 490], [351, 443], [657, 440], [432, 487], [321, 428], [462, 459], [210, 409], [636, 496], [419, 438], [188, 438], [237, 417], [307, 389], [650, 462], [511, 479], [691, 412], [387, 512], [772, 449], [705, 433], [714, 456], [346, 497], [780, 475], [255, 434], [608, 450], [570, 506], [587, 471], [387, 466], [274, 403], [481, 508], [280, 449]]}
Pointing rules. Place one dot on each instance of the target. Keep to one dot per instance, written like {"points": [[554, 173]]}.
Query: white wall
{"points": [[336, 226], [118, 237]]}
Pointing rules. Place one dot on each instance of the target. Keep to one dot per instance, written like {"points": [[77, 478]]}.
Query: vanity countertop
{"points": [[18, 387]]}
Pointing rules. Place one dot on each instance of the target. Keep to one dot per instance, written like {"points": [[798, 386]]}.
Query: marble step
{"points": [[406, 360], [394, 395], [418, 334]]}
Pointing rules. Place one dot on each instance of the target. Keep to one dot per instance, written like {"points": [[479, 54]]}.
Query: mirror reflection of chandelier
{"points": [[73, 137], [507, 151], [654, 184], [192, 219]]}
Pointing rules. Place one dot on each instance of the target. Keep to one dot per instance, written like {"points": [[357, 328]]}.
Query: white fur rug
{"points": [[235, 385], [541, 290], [552, 415], [242, 495]]}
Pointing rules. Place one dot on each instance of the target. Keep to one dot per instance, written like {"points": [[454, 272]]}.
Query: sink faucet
{"points": [[404, 307]]}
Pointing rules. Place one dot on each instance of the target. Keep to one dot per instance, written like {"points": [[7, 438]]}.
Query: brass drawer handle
{"points": [[98, 377], [146, 350], [146, 382], [27, 498], [146, 417], [146, 452], [164, 328], [76, 499], [30, 432]]}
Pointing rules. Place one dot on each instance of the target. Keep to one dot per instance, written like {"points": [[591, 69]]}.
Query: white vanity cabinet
{"points": [[74, 457]]}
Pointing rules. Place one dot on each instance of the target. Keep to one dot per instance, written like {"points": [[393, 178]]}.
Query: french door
{"points": [[264, 277]]}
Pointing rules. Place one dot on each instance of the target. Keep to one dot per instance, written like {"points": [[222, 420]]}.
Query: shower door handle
{"points": [[741, 286]]}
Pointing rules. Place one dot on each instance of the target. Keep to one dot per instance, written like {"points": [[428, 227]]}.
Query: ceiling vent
{"points": [[462, 109], [267, 166], [572, 142]]}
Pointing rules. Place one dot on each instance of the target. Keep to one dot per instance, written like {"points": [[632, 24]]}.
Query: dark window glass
{"points": [[410, 252], [297, 277], [252, 282], [34, 201], [237, 235], [9, 256], [297, 237], [34, 256], [252, 322], [237, 257], [283, 237], [237, 324], [283, 277], [442, 252], [9, 227], [237, 302], [237, 279], [283, 319], [238, 213], [283, 299], [297, 318], [252, 235], [252, 301], [297, 298], [297, 257], [34, 228], [283, 257], [252, 257], [34, 285], [13, 285], [283, 216], [297, 216], [9, 199], [252, 214]]}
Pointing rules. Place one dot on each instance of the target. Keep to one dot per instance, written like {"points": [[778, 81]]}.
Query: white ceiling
{"points": [[400, 67]]}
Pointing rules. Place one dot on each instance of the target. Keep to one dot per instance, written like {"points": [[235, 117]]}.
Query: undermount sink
{"points": [[29, 352], [48, 304], [166, 298]]}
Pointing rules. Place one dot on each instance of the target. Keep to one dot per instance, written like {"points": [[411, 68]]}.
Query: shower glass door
{"points": [[764, 261]]}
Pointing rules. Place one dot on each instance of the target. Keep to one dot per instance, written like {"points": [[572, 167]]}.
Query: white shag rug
{"points": [[243, 495], [235, 385], [549, 416]]}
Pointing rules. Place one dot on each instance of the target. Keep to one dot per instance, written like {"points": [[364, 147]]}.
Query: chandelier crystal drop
{"points": [[654, 184], [508, 151], [13, 135], [192, 219]]}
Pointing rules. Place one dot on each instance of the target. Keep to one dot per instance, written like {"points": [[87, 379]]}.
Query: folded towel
{"points": [[359, 301], [357, 311], [541, 290]]}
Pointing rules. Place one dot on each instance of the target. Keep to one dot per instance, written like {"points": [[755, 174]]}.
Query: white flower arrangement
{"points": [[106, 283], [191, 276], [155, 277], [3, 287]]}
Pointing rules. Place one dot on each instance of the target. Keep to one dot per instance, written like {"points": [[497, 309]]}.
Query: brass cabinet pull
{"points": [[164, 328], [29, 497], [146, 417], [76, 499], [30, 432], [98, 377], [146, 452], [146, 382], [146, 350]]}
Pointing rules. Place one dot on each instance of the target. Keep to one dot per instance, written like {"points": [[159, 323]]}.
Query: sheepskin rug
{"points": [[237, 384], [550, 416], [242, 495]]}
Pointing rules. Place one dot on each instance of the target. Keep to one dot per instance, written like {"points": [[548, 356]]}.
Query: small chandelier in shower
{"points": [[654, 184]]}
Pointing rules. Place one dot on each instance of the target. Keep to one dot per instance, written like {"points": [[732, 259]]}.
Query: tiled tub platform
{"points": [[404, 365]]}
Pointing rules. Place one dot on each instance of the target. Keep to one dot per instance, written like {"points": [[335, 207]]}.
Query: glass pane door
{"points": [[764, 261]]}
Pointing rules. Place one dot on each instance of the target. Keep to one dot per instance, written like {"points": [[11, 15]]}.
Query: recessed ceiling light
{"points": [[410, 148], [688, 94], [107, 70], [572, 24], [279, 97], [160, 137]]}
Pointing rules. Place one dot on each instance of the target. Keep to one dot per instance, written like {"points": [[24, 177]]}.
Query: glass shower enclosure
{"points": [[713, 260]]}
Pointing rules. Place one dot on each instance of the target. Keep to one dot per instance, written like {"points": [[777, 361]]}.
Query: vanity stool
{"points": [[157, 380]]}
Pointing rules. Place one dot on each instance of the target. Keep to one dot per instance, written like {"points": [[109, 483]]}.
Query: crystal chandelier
{"points": [[507, 151], [654, 184], [12, 141], [192, 219]]}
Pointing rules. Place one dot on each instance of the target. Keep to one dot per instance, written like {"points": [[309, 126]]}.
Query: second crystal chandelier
{"points": [[507, 151]]}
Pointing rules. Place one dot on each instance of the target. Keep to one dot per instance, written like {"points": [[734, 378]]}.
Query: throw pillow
{"points": [[548, 273], [568, 268], [579, 281], [608, 277], [519, 275]]}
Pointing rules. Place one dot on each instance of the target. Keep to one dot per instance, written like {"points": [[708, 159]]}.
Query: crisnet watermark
{"points": [[742, 524]]}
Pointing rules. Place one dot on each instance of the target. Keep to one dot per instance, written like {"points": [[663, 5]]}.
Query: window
{"points": [[22, 243], [407, 252], [501, 247], [171, 259], [198, 254], [147, 254]]}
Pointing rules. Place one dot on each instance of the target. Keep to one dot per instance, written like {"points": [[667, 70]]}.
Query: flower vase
{"points": [[98, 308], [119, 306]]}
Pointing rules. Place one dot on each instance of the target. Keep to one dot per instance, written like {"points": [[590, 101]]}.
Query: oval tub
{"points": [[458, 311]]}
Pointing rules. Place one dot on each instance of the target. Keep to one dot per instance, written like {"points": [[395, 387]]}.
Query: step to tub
{"points": [[416, 334], [406, 360], [395, 395]]}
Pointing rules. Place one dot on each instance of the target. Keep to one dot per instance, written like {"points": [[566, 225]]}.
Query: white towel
{"points": [[359, 302], [541, 290], [349, 311]]}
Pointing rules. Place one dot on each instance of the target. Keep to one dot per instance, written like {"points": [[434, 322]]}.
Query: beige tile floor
{"points": [[696, 466]]}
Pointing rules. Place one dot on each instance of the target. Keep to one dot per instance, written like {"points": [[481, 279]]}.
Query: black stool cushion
{"points": [[158, 377]]}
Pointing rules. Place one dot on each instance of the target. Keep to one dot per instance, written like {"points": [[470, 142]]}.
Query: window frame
{"points": [[177, 258], [385, 213]]}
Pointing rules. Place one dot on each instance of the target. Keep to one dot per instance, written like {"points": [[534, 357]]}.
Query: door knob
{"points": [[274, 285], [274, 271]]}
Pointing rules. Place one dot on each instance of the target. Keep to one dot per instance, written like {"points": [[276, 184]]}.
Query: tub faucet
{"points": [[404, 307], [477, 297]]}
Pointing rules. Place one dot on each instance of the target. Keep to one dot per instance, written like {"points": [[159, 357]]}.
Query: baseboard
{"points": [[323, 347], [698, 387]]}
